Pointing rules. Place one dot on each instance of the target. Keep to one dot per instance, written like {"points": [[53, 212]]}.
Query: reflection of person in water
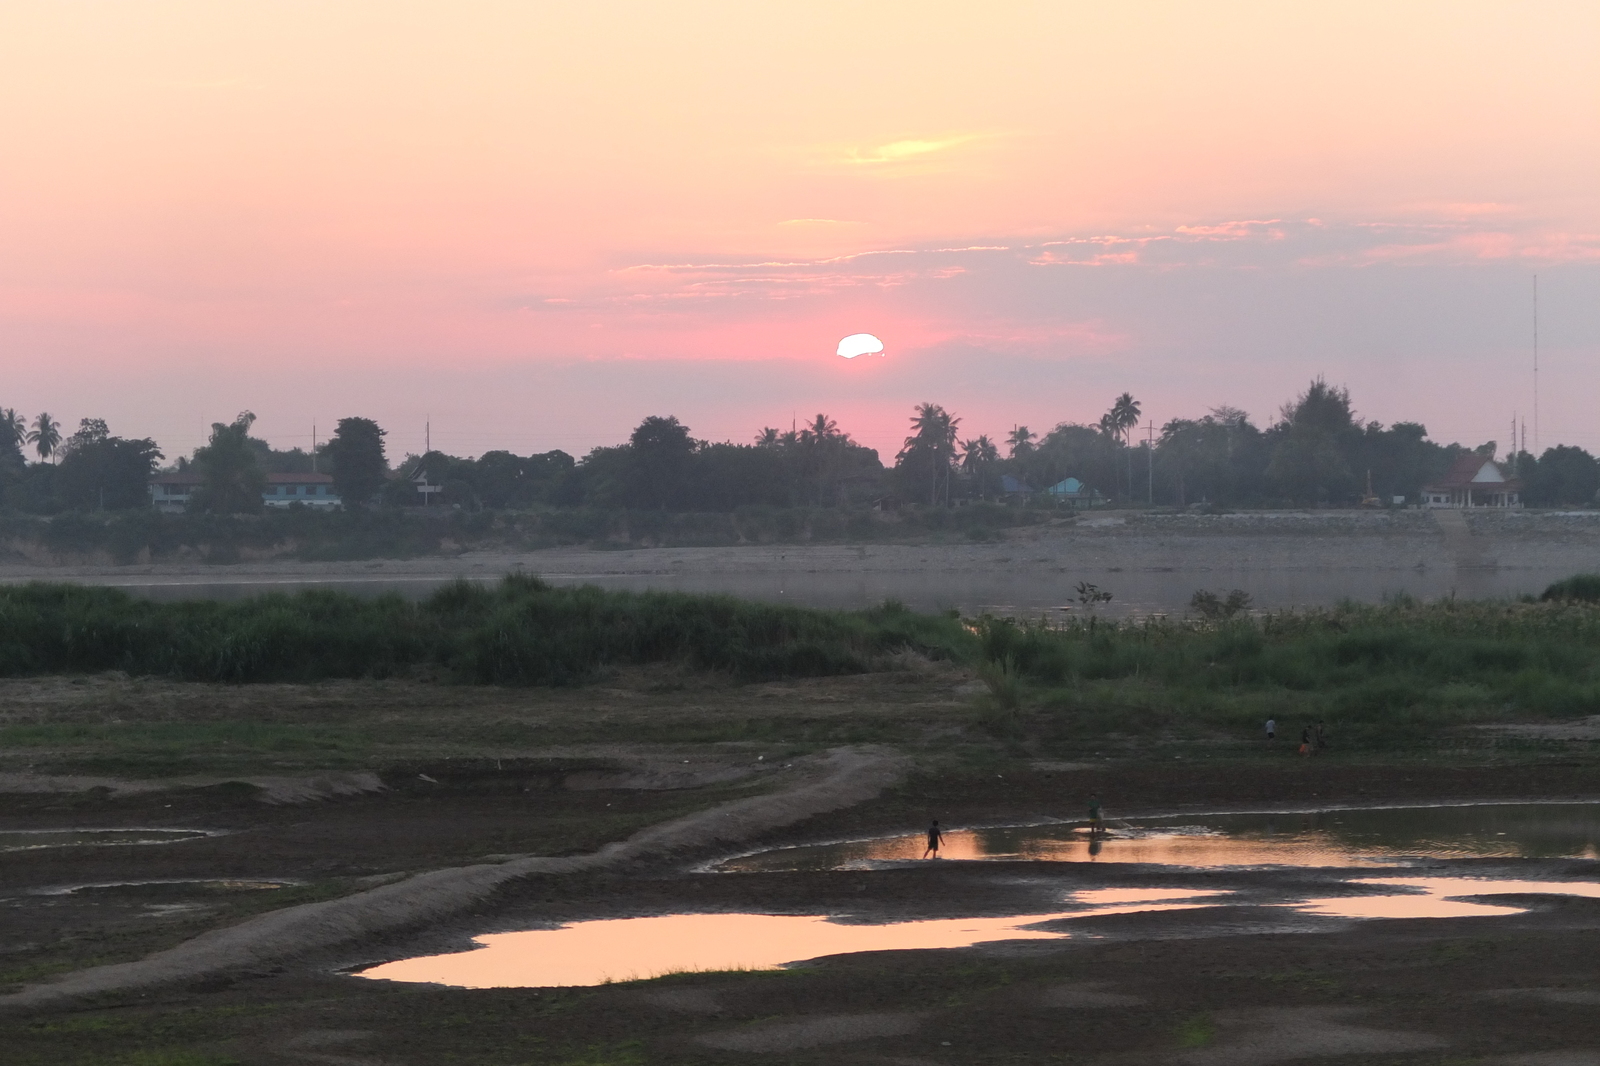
{"points": [[1096, 843], [935, 838], [1096, 820]]}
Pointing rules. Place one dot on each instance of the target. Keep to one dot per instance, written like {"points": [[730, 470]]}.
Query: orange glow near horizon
{"points": [[414, 185]]}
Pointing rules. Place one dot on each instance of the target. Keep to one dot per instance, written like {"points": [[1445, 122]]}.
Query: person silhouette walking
{"points": [[935, 839]]}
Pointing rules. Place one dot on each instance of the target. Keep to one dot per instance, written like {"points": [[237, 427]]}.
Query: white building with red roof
{"points": [[1474, 481]]}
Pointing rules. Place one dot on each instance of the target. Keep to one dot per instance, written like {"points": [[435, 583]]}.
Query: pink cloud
{"points": [[1236, 231]]}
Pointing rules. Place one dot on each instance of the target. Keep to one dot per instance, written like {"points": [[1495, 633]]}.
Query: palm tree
{"points": [[45, 436], [767, 438], [1125, 412], [976, 456], [823, 447], [822, 428], [1119, 422], [934, 433], [1021, 441], [13, 430]]}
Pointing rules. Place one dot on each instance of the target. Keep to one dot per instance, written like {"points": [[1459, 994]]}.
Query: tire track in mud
{"points": [[841, 777]]}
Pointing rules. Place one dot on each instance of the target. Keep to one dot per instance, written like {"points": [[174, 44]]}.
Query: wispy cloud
{"points": [[1242, 229], [1235, 245], [912, 148]]}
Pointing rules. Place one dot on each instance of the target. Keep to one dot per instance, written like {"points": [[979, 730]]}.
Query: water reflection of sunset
{"points": [[622, 949], [1440, 897], [1373, 836], [1174, 849]]}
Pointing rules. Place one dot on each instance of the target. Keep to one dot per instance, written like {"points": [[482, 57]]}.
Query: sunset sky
{"points": [[536, 223]]}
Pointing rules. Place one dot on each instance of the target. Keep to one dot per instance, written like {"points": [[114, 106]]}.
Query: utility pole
{"points": [[1536, 362], [313, 445], [1150, 449]]}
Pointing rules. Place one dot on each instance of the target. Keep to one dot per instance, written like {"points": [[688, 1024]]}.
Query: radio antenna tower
{"points": [[1536, 362]]}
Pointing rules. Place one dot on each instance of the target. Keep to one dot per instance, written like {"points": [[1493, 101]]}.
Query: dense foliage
{"points": [[356, 456], [233, 480], [519, 632], [102, 472], [1380, 676], [1317, 453], [1398, 675]]}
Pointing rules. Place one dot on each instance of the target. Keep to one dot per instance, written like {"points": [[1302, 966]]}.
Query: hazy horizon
{"points": [[534, 227]]}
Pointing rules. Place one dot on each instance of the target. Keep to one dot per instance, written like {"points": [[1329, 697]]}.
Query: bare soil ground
{"points": [[474, 776]]}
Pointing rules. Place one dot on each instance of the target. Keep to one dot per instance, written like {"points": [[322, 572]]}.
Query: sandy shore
{"points": [[1260, 541]]}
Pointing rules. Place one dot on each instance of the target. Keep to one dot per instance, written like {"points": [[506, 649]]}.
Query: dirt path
{"points": [[839, 778], [1465, 551]]}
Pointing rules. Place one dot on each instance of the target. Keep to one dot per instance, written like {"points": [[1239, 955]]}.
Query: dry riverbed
{"points": [[340, 792]]}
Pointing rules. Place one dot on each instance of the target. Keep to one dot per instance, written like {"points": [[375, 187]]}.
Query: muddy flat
{"points": [[533, 810]]}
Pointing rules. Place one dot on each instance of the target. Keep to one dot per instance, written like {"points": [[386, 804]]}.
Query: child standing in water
{"points": [[935, 838], [1096, 821]]}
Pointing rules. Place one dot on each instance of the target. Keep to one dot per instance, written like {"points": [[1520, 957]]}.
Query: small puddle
{"points": [[31, 839], [1440, 897], [1354, 837]]}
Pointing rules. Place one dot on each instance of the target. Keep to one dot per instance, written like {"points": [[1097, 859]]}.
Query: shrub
{"points": [[1580, 588]]}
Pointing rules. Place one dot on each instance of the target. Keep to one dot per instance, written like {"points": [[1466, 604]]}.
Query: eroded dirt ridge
{"points": [[839, 778]]}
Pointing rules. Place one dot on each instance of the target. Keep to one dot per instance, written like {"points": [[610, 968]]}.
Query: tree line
{"points": [[1316, 453]]}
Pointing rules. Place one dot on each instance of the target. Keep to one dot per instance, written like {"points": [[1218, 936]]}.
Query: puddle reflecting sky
{"points": [[1366, 837], [622, 949], [1440, 897]]}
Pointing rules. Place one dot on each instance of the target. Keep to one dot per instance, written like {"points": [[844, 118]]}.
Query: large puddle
{"points": [[628, 949], [1353, 837]]}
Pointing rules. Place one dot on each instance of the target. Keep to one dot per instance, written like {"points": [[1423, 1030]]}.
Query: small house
{"points": [[418, 477], [312, 490], [1073, 491], [169, 493], [1014, 489], [1474, 481]]}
